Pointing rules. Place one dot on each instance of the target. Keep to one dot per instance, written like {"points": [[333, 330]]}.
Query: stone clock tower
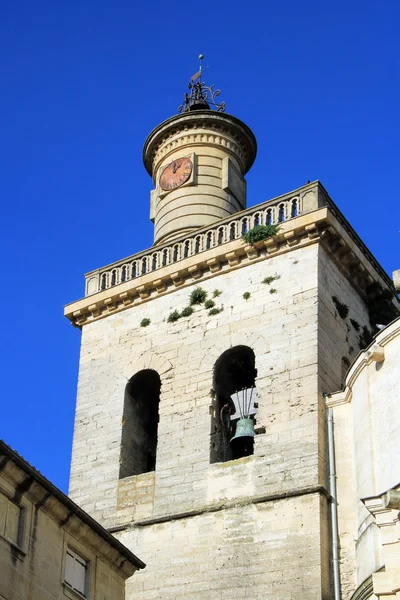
{"points": [[174, 336]]}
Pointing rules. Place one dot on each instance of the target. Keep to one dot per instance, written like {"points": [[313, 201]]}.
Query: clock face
{"points": [[176, 173]]}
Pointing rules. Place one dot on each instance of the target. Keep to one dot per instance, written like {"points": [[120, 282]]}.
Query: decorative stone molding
{"points": [[218, 249], [200, 128], [385, 509], [375, 353], [364, 591], [305, 200]]}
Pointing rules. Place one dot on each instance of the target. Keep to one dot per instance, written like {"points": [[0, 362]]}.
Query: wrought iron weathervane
{"points": [[200, 96]]}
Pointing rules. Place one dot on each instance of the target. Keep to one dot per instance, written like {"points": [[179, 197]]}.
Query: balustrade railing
{"points": [[226, 230]]}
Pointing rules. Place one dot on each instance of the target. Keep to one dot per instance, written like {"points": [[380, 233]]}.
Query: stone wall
{"points": [[191, 512], [281, 327], [265, 551]]}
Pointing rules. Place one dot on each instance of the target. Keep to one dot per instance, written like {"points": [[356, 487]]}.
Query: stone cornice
{"points": [[374, 353], [241, 137], [317, 226]]}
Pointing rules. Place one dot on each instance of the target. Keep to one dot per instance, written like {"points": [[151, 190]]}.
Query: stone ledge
{"points": [[224, 505], [318, 226]]}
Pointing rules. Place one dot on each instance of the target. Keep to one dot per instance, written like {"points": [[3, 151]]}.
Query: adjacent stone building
{"points": [[175, 336], [50, 549], [367, 443]]}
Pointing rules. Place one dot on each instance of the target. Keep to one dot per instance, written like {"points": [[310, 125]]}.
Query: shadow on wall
{"points": [[140, 424]]}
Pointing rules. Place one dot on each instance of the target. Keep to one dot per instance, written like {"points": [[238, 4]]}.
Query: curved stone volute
{"points": [[221, 150]]}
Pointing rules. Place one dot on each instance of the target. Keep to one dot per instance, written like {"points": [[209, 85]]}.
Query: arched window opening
{"points": [[220, 235], [176, 253], [245, 227], [281, 213], [113, 277], [123, 273], [268, 219], [232, 436], [232, 231], [164, 257], [295, 208], [197, 245], [208, 240], [154, 262], [186, 249], [103, 284], [140, 424], [257, 221], [144, 266], [134, 270]]}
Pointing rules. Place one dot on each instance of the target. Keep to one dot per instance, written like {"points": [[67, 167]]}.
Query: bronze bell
{"points": [[244, 428]]}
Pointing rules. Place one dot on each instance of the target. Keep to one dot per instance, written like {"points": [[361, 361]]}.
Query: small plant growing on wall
{"points": [[270, 279], [198, 296], [215, 311], [343, 309], [246, 295], [260, 232], [187, 311], [209, 304], [174, 316], [216, 293], [273, 291], [145, 322]]}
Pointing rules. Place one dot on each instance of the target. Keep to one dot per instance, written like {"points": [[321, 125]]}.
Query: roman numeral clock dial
{"points": [[176, 174]]}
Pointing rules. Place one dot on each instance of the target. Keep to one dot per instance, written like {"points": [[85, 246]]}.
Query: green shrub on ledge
{"points": [[198, 296], [144, 322], [215, 311], [260, 232], [187, 311], [174, 316], [209, 304]]}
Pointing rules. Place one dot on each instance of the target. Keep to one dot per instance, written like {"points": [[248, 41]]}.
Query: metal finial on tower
{"points": [[200, 96]]}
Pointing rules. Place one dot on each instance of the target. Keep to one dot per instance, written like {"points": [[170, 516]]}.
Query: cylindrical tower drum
{"points": [[197, 161]]}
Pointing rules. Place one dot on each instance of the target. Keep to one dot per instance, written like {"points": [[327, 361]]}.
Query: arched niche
{"points": [[233, 371], [140, 423]]}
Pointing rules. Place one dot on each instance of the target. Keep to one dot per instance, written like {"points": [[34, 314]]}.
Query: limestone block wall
{"points": [[270, 551], [339, 337], [280, 546], [339, 344], [280, 327]]}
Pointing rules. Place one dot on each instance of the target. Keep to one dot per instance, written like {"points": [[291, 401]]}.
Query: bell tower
{"points": [[200, 426], [197, 160]]}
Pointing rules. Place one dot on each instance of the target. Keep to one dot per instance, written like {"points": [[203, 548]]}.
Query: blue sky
{"points": [[84, 82]]}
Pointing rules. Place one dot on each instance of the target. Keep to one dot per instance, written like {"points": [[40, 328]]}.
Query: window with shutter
{"points": [[12, 522], [75, 572], [10, 516]]}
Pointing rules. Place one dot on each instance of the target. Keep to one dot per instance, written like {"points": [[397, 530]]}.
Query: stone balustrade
{"points": [[272, 212]]}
